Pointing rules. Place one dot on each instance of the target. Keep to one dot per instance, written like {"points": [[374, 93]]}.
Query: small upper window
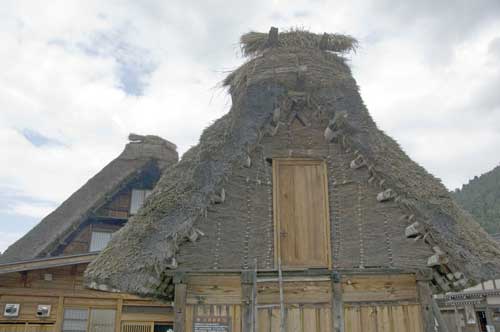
{"points": [[99, 240], [138, 198]]}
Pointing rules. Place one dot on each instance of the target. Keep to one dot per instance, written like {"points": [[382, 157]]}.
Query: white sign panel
{"points": [[470, 314]]}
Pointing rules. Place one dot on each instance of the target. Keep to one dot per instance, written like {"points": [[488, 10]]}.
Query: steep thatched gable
{"points": [[294, 98], [140, 153]]}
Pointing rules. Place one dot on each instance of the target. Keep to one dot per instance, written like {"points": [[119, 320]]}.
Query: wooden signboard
{"points": [[212, 324]]}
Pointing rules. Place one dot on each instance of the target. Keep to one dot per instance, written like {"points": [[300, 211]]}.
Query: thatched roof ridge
{"points": [[254, 43], [139, 257], [138, 154]]}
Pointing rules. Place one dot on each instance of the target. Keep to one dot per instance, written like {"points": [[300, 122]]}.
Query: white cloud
{"points": [[34, 210]]}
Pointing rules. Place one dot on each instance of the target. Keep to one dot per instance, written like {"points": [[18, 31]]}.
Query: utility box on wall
{"points": [[11, 310]]}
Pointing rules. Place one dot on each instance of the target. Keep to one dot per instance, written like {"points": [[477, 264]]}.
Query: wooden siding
{"points": [[372, 302], [383, 318], [301, 213], [298, 319], [66, 290], [214, 289], [295, 292], [367, 288], [27, 328]]}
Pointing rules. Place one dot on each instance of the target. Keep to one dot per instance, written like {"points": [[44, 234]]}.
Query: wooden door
{"points": [[301, 213]]}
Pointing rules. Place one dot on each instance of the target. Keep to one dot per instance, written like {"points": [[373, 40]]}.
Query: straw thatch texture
{"points": [[254, 43], [283, 103], [49, 232]]}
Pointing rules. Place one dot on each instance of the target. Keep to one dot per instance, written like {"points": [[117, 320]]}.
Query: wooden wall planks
{"points": [[383, 318], [366, 288], [298, 319]]}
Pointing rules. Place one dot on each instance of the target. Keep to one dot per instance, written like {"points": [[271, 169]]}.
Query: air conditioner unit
{"points": [[43, 310], [11, 310]]}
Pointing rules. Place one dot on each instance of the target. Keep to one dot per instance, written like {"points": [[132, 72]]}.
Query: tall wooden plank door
{"points": [[301, 213]]}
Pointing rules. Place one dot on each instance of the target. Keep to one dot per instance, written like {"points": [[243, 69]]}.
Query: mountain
{"points": [[481, 197]]}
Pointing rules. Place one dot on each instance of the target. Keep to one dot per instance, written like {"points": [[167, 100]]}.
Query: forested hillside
{"points": [[481, 197]]}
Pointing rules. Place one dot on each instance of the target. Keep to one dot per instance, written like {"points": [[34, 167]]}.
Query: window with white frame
{"points": [[137, 199], [99, 240]]}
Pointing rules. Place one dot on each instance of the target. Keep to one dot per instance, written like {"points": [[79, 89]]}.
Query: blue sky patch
{"points": [[134, 65], [39, 140]]}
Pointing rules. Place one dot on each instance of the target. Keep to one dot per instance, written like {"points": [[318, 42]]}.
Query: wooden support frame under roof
{"points": [[45, 263]]}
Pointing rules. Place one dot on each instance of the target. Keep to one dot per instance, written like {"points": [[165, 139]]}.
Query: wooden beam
{"points": [[118, 318], [180, 304], [425, 296], [458, 321], [85, 294], [337, 303], [46, 263], [273, 36], [60, 314], [437, 314], [247, 285], [430, 309]]}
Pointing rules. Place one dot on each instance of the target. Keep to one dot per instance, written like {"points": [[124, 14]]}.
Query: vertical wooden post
{"points": [[437, 314], [425, 297], [272, 38], [60, 314], [337, 303], [247, 285], [430, 309], [118, 317], [489, 316], [458, 321], [180, 302]]}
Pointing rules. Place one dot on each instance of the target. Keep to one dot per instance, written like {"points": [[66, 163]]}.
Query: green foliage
{"points": [[481, 197]]}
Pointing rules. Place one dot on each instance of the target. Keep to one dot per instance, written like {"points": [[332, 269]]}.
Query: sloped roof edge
{"points": [[140, 152]]}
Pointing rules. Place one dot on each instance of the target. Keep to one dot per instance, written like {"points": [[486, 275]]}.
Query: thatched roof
{"points": [[209, 205], [138, 154], [254, 43]]}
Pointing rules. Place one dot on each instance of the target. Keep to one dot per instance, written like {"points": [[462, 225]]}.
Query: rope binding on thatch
{"points": [[254, 43]]}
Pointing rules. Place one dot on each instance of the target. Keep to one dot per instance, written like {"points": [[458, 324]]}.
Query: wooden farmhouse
{"points": [[475, 308], [293, 213], [41, 275]]}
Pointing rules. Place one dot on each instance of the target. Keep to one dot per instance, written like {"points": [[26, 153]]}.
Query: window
{"points": [[146, 327], [138, 198], [159, 327], [89, 320], [99, 240], [102, 320], [301, 213], [75, 320]]}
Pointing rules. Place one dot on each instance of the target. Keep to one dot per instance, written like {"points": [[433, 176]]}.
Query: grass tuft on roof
{"points": [[254, 43]]}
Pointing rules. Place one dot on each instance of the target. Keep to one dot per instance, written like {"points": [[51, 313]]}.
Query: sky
{"points": [[77, 76]]}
